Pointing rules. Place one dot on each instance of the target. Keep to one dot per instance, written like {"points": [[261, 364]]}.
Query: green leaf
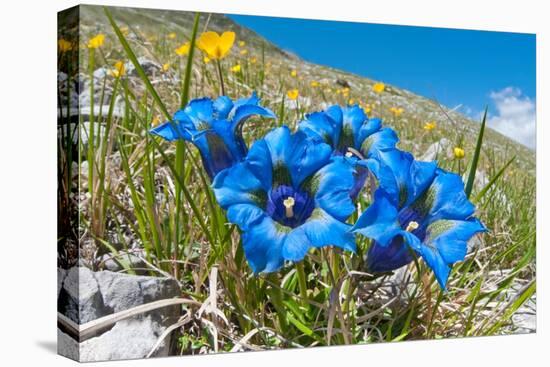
{"points": [[475, 160]]}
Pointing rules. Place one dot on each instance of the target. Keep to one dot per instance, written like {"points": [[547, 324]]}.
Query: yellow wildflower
{"points": [[119, 69], [242, 43], [243, 52], [314, 84], [206, 59], [253, 60], [96, 41], [183, 49], [236, 68], [458, 152], [430, 125], [64, 45], [367, 109], [165, 67], [396, 111], [215, 46], [292, 94], [378, 87], [351, 101], [155, 121], [293, 73], [172, 35]]}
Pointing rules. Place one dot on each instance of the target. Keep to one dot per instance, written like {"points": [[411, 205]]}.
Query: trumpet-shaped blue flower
{"points": [[288, 195], [418, 208], [350, 132], [215, 128]]}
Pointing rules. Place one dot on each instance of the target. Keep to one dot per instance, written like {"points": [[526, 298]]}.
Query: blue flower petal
{"points": [[382, 259], [421, 176], [242, 113], [379, 221], [450, 237], [263, 244], [245, 215], [369, 128], [434, 260], [332, 187], [259, 162], [216, 155], [170, 131], [200, 111], [223, 106], [337, 115], [381, 140], [306, 157], [279, 142], [318, 231], [232, 140], [323, 230], [295, 155], [446, 243], [238, 185], [319, 125], [352, 120], [296, 245], [253, 99], [401, 177], [449, 200], [411, 240]]}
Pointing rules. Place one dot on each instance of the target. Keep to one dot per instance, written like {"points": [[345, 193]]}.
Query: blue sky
{"points": [[456, 67]]}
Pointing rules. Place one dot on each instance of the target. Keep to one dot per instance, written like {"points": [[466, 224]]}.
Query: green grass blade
{"points": [[138, 67], [526, 293], [187, 194], [180, 145], [493, 180], [189, 66], [475, 160]]}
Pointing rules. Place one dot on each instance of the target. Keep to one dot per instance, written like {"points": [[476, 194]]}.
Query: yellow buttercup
{"points": [[293, 94], [378, 87], [183, 49], [96, 41], [215, 46], [458, 152]]}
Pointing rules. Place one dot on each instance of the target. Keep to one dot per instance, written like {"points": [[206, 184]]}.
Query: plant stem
{"points": [[220, 76], [302, 283], [276, 297], [91, 127], [335, 290]]}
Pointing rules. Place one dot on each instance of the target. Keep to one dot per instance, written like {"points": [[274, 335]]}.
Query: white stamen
{"points": [[352, 151], [289, 206], [411, 226]]}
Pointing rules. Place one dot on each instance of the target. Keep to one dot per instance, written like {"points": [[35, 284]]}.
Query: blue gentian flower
{"points": [[418, 208], [288, 195], [215, 128], [350, 132]]}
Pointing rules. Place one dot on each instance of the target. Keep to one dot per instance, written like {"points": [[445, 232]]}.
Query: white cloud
{"points": [[516, 116]]}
